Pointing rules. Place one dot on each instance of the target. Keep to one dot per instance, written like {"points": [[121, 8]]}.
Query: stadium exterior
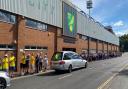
{"points": [[50, 26]]}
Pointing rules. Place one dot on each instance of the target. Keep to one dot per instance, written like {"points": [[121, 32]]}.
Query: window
{"points": [[6, 47], [35, 48], [36, 24], [67, 56], [7, 17], [10, 46], [57, 56], [75, 57]]}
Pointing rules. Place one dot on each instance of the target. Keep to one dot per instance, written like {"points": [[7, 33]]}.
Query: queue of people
{"points": [[31, 63], [8, 64]]}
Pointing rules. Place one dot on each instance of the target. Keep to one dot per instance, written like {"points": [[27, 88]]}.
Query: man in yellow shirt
{"points": [[32, 63], [5, 63], [1, 64], [23, 63], [12, 65]]}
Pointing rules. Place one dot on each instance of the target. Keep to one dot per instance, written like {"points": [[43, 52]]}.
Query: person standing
{"points": [[12, 65], [27, 63], [32, 63], [23, 62], [1, 64], [5, 63], [45, 62], [37, 63], [40, 61]]}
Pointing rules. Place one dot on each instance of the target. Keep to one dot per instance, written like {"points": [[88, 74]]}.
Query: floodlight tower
{"points": [[89, 6]]}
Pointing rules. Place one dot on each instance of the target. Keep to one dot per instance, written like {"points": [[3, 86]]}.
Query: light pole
{"points": [[89, 6]]}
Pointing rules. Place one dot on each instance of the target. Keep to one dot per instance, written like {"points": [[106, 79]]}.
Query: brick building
{"points": [[48, 26]]}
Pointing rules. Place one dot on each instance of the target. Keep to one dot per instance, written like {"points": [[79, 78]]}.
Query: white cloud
{"points": [[122, 32], [119, 33], [119, 23]]}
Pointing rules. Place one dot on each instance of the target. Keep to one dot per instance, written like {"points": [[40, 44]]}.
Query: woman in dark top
{"points": [[37, 63]]}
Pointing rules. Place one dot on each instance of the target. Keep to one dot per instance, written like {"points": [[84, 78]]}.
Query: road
{"points": [[95, 76]]}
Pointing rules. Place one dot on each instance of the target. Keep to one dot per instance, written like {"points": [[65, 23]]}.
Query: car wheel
{"points": [[86, 64], [2, 84], [70, 69], [57, 71]]}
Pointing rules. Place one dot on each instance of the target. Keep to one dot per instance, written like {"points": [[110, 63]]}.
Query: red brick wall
{"points": [[113, 48], [7, 33], [105, 47], [100, 46], [81, 44], [34, 37], [93, 45], [109, 47], [60, 41]]}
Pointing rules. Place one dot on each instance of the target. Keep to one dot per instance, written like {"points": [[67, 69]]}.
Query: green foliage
{"points": [[124, 43]]}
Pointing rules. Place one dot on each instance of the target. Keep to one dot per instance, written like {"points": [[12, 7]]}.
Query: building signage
{"points": [[69, 21]]}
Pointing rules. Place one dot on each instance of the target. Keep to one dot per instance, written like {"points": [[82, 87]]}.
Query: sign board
{"points": [[69, 21]]}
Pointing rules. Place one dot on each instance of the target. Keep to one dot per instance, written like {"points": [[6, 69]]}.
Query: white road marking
{"points": [[65, 76], [111, 78]]}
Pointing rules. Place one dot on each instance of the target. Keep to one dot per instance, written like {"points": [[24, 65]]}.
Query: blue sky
{"points": [[108, 12]]}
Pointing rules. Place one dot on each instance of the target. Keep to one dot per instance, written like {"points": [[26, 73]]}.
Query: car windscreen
{"points": [[57, 56]]}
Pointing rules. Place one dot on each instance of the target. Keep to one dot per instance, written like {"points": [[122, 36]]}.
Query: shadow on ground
{"points": [[122, 73], [54, 73]]}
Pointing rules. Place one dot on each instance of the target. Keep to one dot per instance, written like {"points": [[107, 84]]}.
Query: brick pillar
{"points": [[20, 39], [88, 46], [107, 47], [103, 47], [97, 49], [111, 47]]}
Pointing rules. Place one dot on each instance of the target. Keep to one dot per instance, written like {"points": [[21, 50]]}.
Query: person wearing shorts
{"points": [[12, 65]]}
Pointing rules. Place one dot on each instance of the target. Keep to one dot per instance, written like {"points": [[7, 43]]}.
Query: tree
{"points": [[124, 43]]}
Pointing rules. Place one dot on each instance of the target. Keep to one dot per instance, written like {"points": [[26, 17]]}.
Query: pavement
{"points": [[104, 74], [30, 75]]}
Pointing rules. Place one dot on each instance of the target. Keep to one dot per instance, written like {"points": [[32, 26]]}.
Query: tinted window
{"points": [[5, 16], [76, 57], [36, 24], [57, 56], [67, 56]]}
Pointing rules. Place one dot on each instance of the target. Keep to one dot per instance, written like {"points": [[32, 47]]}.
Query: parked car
{"points": [[67, 60], [4, 80]]}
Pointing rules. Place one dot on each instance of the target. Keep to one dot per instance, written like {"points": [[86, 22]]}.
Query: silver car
{"points": [[4, 80], [67, 60]]}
